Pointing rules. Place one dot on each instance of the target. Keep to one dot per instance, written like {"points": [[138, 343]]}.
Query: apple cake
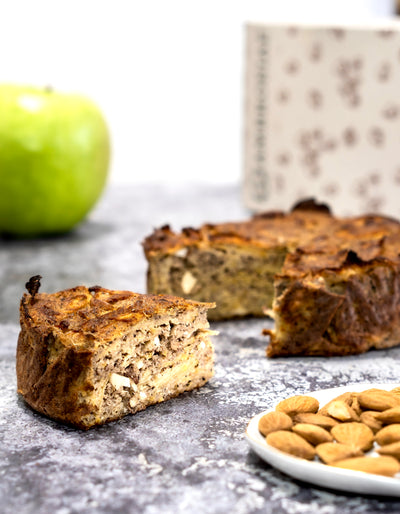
{"points": [[87, 356], [331, 284]]}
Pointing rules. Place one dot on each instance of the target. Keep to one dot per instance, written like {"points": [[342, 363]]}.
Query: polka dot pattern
{"points": [[332, 117]]}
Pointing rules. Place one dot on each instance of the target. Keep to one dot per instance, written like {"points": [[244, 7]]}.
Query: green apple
{"points": [[54, 159]]}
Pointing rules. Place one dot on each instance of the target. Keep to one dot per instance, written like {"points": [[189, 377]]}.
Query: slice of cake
{"points": [[87, 356], [332, 283]]}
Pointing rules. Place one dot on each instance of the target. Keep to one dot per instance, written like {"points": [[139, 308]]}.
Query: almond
{"points": [[387, 466], [273, 421], [291, 443], [396, 391], [341, 431], [346, 397], [369, 418], [388, 435], [389, 416], [296, 404], [392, 449], [355, 404], [341, 411], [330, 452], [355, 434], [316, 419], [312, 433], [378, 399]]}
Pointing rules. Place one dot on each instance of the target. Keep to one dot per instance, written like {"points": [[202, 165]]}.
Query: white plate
{"points": [[315, 472]]}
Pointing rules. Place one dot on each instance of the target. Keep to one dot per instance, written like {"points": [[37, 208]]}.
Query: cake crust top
{"points": [[89, 316], [314, 238]]}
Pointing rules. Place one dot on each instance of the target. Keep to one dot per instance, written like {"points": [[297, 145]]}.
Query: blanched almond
{"points": [[291, 443], [392, 449], [387, 466], [316, 419], [389, 434], [396, 391], [188, 282], [331, 452], [296, 404], [341, 411], [378, 399], [346, 397], [355, 404], [312, 433], [369, 418], [389, 416], [273, 421], [354, 434]]}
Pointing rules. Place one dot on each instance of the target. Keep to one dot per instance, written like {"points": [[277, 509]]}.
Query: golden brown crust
{"points": [[313, 239], [86, 316], [65, 335], [265, 230], [311, 232]]}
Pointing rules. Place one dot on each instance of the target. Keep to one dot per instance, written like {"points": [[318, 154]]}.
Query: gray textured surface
{"points": [[188, 454]]}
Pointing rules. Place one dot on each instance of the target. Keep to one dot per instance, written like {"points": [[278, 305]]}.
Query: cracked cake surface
{"points": [[87, 356]]}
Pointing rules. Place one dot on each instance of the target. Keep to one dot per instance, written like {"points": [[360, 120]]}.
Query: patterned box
{"points": [[322, 117]]}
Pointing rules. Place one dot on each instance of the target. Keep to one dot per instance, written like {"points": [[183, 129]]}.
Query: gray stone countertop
{"points": [[187, 454]]}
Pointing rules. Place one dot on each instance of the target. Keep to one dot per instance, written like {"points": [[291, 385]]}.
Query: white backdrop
{"points": [[168, 74]]}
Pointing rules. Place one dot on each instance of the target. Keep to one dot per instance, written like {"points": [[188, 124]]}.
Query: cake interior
{"points": [[239, 278], [152, 362]]}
